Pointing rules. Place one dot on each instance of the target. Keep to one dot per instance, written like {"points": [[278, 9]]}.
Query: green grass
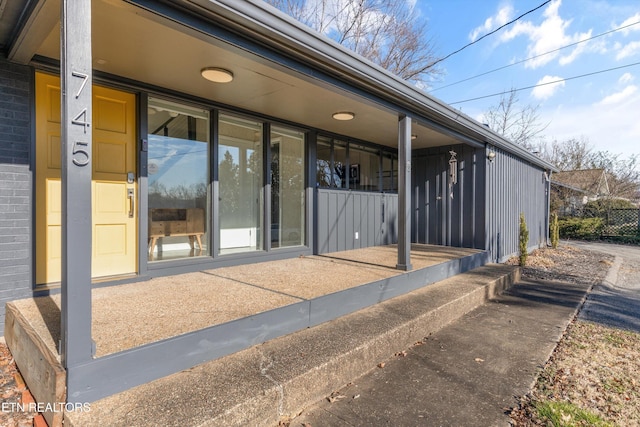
{"points": [[615, 340], [564, 414], [615, 385]]}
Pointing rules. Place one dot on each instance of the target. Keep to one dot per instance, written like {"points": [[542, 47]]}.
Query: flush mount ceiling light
{"points": [[217, 75], [343, 115], [414, 136]]}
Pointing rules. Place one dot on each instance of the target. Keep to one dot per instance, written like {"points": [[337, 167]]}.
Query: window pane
{"points": [[389, 172], [340, 164], [364, 168], [240, 184], [287, 188], [178, 171], [323, 163]]}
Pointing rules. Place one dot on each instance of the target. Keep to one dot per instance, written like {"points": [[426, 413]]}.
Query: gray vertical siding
{"points": [[514, 186], [439, 218], [342, 214], [15, 184]]}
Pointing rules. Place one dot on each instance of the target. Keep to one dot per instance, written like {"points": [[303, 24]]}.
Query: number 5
{"points": [[79, 147]]}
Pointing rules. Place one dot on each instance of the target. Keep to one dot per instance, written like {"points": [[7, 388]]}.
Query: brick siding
{"points": [[15, 184]]}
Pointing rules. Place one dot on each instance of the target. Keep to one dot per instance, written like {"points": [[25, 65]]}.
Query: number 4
{"points": [[84, 123]]}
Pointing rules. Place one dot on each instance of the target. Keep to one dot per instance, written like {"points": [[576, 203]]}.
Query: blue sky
{"points": [[602, 108]]}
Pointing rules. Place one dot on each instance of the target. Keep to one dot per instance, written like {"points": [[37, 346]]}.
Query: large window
{"points": [[179, 183], [178, 176], [240, 172], [287, 187], [355, 166]]}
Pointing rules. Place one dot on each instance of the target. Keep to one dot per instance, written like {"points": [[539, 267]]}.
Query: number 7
{"points": [[85, 79]]}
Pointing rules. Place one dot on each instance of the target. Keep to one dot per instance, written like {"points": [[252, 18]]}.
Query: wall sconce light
{"points": [[491, 155], [343, 115], [217, 75]]}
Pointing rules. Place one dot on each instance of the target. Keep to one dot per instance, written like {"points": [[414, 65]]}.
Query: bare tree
{"points": [[520, 124], [387, 32], [623, 174], [571, 154]]}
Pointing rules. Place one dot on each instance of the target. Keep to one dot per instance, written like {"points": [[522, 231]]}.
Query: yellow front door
{"points": [[113, 210]]}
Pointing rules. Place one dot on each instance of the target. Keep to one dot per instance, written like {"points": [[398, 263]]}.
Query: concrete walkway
{"points": [[468, 373]]}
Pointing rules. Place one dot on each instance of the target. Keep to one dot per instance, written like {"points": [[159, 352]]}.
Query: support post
{"points": [[76, 95], [404, 194]]}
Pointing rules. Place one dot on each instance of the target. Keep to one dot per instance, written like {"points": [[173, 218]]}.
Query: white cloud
{"points": [[626, 78], [579, 49], [613, 128], [618, 97], [631, 20], [550, 35], [547, 87], [501, 17], [630, 49]]}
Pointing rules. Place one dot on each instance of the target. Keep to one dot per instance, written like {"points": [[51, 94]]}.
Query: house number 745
{"points": [[80, 153]]}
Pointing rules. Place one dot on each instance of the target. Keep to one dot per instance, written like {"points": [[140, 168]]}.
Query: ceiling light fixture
{"points": [[217, 75], [414, 136], [343, 115]]}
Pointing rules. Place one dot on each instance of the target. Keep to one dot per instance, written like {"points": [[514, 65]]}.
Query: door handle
{"points": [[132, 201]]}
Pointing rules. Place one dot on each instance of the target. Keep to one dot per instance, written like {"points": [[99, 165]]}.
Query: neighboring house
{"points": [[571, 190], [223, 132]]}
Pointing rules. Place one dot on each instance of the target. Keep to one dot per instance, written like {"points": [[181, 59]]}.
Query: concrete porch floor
{"points": [[130, 315], [148, 330]]}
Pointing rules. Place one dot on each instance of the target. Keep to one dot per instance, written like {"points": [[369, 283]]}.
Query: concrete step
{"points": [[277, 379]]}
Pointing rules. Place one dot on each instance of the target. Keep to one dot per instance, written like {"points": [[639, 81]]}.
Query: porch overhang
{"points": [[286, 70], [164, 46]]}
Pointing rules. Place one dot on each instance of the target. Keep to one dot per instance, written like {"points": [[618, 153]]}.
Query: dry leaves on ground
{"points": [[11, 393], [592, 377]]}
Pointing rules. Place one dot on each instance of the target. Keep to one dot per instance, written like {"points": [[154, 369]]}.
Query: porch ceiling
{"points": [[9, 14], [136, 44]]}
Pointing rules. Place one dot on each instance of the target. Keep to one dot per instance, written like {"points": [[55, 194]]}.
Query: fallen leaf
{"points": [[401, 354], [356, 396], [479, 360], [335, 396], [381, 365]]}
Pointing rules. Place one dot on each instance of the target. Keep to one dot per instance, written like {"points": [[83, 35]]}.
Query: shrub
{"points": [[581, 228], [524, 240], [555, 231]]}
